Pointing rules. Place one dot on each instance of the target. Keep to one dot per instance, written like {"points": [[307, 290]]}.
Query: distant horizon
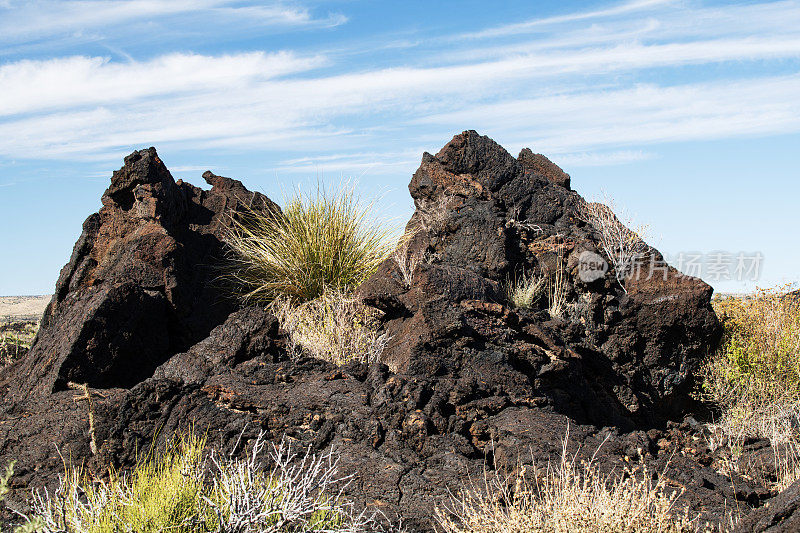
{"points": [[685, 112]]}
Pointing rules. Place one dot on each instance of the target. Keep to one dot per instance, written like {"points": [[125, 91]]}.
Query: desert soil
{"points": [[22, 308]]}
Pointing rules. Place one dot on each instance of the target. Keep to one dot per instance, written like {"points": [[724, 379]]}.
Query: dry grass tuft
{"points": [[334, 327], [557, 288], [568, 499], [524, 291]]}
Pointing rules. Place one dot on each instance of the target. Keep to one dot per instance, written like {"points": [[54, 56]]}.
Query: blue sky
{"points": [[687, 113]]}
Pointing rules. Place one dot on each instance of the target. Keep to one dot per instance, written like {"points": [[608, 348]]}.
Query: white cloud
{"points": [[598, 159], [33, 86], [565, 93], [537, 24], [28, 20], [645, 114], [661, 19]]}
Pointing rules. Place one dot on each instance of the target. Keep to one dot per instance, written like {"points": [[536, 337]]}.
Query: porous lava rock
{"points": [[615, 356], [780, 514], [468, 383], [140, 285]]}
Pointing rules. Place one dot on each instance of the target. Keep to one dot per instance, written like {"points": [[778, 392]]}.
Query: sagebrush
{"points": [[754, 378]]}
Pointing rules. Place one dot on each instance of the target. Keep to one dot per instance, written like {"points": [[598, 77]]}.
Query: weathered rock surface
{"points": [[781, 514], [612, 357], [467, 380], [139, 286]]}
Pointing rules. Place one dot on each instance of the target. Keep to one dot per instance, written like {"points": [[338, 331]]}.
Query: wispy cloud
{"points": [[574, 93], [27, 20], [538, 24], [35, 86], [599, 159]]}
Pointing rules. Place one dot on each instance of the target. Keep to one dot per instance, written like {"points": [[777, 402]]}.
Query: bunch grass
{"points": [[524, 291], [320, 242]]}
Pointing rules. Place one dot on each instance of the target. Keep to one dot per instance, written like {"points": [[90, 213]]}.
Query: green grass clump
{"points": [[4, 479], [321, 242], [160, 494], [184, 490]]}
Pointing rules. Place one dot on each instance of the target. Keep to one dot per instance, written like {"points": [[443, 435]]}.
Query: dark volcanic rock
{"points": [[467, 382], [539, 164], [781, 514], [613, 357], [139, 286]]}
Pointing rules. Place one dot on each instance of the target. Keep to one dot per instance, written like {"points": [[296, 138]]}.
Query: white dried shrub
{"points": [[433, 213], [407, 260], [620, 239], [302, 492]]}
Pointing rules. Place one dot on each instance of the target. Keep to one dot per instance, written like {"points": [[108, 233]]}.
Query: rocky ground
{"points": [[467, 381]]}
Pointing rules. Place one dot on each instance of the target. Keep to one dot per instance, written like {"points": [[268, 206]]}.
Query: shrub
{"points": [[15, 340], [334, 327], [320, 242], [622, 245], [173, 493], [754, 378], [160, 494], [567, 499]]}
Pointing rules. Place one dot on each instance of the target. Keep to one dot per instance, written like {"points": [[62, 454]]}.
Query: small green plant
{"points": [[4, 479], [15, 340], [320, 242]]}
